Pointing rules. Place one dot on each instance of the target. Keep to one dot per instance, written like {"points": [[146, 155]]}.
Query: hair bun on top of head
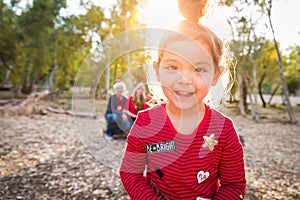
{"points": [[193, 10]]}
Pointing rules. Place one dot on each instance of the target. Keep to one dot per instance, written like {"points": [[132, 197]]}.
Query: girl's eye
{"points": [[172, 67], [200, 69]]}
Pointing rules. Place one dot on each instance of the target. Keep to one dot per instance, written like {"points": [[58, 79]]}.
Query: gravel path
{"points": [[55, 156]]}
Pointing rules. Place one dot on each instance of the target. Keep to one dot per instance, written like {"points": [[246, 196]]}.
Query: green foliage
{"points": [[249, 46], [292, 70], [37, 41], [8, 38], [123, 18], [246, 43], [39, 46], [49, 48], [267, 66]]}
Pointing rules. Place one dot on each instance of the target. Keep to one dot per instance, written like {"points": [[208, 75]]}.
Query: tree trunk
{"points": [[5, 81], [241, 96], [245, 93], [128, 57], [255, 106], [107, 80], [55, 65], [284, 85], [247, 81], [26, 86], [273, 93], [260, 90], [115, 73]]}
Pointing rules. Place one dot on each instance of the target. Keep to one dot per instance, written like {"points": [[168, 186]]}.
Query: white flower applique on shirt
{"points": [[210, 142]]}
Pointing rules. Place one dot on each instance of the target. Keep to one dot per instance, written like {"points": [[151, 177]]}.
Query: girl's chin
{"points": [[185, 106], [183, 102]]}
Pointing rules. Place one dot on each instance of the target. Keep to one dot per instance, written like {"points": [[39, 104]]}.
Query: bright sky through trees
{"points": [[285, 16], [164, 14]]}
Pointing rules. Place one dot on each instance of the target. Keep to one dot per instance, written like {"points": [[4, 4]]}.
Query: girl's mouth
{"points": [[182, 93]]}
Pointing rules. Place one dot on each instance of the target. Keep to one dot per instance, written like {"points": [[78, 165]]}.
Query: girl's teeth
{"points": [[183, 93]]}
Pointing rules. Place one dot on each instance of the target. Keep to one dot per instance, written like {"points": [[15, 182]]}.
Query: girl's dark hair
{"points": [[193, 10]]}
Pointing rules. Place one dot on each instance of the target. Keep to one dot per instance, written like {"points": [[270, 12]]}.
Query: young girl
{"points": [[187, 149], [137, 101]]}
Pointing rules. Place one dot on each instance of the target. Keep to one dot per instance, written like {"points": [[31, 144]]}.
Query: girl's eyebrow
{"points": [[170, 60], [202, 62], [196, 63]]}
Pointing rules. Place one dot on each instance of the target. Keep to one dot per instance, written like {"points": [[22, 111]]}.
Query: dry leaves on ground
{"points": [[55, 156]]}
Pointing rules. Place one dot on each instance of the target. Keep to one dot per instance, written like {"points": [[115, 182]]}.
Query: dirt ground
{"points": [[57, 156]]}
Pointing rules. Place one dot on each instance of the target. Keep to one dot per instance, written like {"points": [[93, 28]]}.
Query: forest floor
{"points": [[57, 156]]}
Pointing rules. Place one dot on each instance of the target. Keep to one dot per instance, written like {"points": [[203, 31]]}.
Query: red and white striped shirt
{"points": [[177, 165]]}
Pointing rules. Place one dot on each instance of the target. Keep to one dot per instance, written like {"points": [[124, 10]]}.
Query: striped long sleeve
{"points": [[132, 169], [180, 166]]}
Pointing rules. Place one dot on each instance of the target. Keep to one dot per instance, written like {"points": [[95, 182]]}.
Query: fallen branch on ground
{"points": [[75, 114]]}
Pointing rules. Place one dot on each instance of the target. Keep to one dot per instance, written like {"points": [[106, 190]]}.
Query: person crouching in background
{"points": [[117, 120]]}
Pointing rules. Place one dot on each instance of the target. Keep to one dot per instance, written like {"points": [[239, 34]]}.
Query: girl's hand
{"points": [[124, 117]]}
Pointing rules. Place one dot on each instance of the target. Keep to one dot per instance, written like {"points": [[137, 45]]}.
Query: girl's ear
{"points": [[156, 68], [217, 75]]}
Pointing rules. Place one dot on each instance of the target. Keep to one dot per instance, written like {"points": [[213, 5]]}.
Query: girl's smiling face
{"points": [[186, 73]]}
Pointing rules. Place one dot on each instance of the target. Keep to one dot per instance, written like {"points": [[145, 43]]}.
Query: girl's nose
{"points": [[185, 77]]}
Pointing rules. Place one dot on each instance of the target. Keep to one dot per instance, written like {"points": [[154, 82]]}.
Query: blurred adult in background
{"points": [[117, 120], [137, 101]]}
